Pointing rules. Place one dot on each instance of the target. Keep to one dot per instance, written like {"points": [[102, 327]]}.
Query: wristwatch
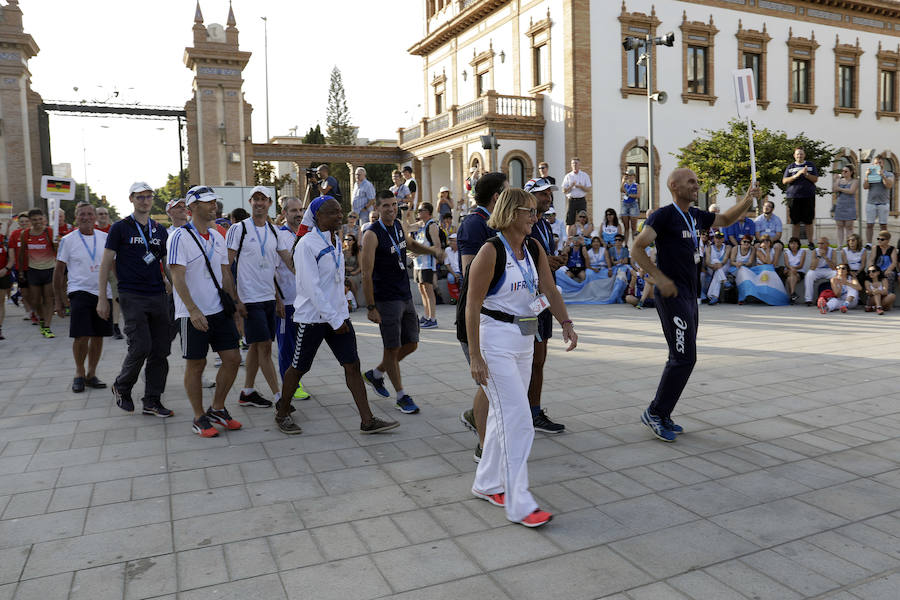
{"points": [[370, 307]]}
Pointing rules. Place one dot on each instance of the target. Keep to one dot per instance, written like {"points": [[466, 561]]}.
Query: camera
{"points": [[312, 174]]}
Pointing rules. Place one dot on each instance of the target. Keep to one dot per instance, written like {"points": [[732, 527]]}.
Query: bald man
{"points": [[676, 230]]}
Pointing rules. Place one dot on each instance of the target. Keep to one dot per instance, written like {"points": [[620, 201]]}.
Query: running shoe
{"points": [[406, 405], [823, 305], [537, 518], [543, 423], [254, 399], [495, 499], [217, 362], [467, 418], [47, 333], [34, 319], [123, 399], [422, 320], [671, 425], [202, 427], [208, 383], [377, 384], [117, 333], [655, 425], [78, 385], [429, 324], [377, 425], [300, 393], [879, 310], [639, 305], [287, 425], [713, 300], [152, 406], [93, 382], [244, 345], [477, 456], [223, 418]]}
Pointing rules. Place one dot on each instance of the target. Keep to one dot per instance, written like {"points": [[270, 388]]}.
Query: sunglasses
{"points": [[532, 212], [883, 239], [841, 268], [873, 270]]}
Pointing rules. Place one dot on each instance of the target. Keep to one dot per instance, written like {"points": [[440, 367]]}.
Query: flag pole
{"points": [[752, 151]]}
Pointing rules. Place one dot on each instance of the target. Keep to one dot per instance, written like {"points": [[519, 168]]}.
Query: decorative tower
{"points": [[20, 151], [218, 118]]}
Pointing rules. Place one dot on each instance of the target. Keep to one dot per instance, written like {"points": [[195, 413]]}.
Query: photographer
{"points": [[326, 185]]}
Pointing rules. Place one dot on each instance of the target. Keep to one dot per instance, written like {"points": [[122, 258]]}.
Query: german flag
{"points": [[58, 186], [4, 205]]}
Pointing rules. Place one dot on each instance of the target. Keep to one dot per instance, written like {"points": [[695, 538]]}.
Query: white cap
{"points": [[139, 186], [173, 202], [200, 193], [538, 185], [550, 211], [262, 190], [444, 188], [452, 236]]}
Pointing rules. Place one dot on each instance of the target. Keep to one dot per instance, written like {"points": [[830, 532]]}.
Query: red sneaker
{"points": [[537, 518], [204, 428], [221, 417], [495, 499], [822, 304]]}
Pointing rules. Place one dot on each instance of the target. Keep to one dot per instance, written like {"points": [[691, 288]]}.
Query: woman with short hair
{"points": [[879, 297], [501, 322]]}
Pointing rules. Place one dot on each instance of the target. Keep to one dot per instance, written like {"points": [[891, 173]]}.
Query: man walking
{"points": [[254, 248], [285, 328], [103, 224], [879, 182], [35, 257], [576, 186], [75, 283], [363, 196], [197, 254], [321, 315], [425, 265], [675, 229], [800, 177], [137, 246], [388, 296]]}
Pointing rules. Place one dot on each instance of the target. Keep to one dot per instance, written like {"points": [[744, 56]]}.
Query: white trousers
{"points": [[851, 300], [510, 428], [814, 276], [715, 285]]}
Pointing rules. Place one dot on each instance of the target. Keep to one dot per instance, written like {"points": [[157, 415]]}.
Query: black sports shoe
{"points": [[286, 425], [93, 382], [377, 425], [254, 399], [543, 423], [78, 385], [117, 333], [123, 399], [477, 456], [152, 406]]}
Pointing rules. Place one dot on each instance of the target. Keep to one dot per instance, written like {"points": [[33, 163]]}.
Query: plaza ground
{"points": [[786, 484]]}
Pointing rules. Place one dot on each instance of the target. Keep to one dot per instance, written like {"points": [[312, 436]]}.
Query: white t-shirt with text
{"points": [[83, 270], [184, 251]]}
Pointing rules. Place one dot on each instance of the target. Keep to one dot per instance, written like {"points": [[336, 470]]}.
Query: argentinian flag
{"points": [[763, 283]]}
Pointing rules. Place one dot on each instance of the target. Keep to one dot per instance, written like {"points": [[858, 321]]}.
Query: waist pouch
{"points": [[528, 326]]}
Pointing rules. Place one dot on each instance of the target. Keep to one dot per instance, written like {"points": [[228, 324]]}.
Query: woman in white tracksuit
{"points": [[717, 263], [501, 325], [846, 291]]}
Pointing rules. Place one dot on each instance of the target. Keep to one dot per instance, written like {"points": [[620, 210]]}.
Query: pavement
{"points": [[786, 484]]}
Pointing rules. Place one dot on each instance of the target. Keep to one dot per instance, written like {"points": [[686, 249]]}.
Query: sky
{"points": [[137, 48]]}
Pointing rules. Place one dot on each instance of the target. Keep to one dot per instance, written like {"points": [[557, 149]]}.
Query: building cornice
{"points": [[469, 16]]}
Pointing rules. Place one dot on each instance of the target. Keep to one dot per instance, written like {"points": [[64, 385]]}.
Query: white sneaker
{"points": [[208, 383], [218, 362]]}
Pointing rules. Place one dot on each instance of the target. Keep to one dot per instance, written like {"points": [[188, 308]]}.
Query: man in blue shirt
{"points": [[328, 185], [675, 229], [734, 233], [800, 177], [137, 245]]}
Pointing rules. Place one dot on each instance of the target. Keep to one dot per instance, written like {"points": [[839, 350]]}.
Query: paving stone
{"points": [[55, 587], [40, 528], [655, 591], [436, 562], [519, 546], [204, 530], [881, 588], [338, 541], [127, 514], [249, 558], [354, 505], [647, 513], [699, 585], [284, 490], [109, 492], [27, 504], [708, 498], [861, 554], [295, 549], [473, 587], [267, 587], [11, 562], [855, 500], [101, 583], [113, 469], [28, 482], [353, 479], [200, 568], [750, 582], [763, 485], [380, 533], [350, 579], [789, 573], [208, 502], [150, 486], [821, 561], [633, 455]]}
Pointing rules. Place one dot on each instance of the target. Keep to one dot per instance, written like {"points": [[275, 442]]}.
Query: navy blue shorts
{"points": [[259, 326], [311, 335], [84, 320], [222, 334]]}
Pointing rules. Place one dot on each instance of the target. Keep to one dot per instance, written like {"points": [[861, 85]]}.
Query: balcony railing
{"points": [[487, 106]]}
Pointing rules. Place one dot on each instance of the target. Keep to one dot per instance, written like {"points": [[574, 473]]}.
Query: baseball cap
{"points": [[539, 185], [262, 190], [452, 236], [444, 188], [173, 202], [550, 211], [139, 186], [200, 193]]}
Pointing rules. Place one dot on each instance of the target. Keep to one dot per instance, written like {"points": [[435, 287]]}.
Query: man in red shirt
{"points": [[103, 223], [23, 223], [5, 281], [35, 256], [63, 227]]}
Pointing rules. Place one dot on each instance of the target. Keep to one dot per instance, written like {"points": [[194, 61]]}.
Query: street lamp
{"points": [[646, 59], [266, 46]]}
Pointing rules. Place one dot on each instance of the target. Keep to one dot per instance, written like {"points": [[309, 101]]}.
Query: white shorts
{"points": [[877, 211]]}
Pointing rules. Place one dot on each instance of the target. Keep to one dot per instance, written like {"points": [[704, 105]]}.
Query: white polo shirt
{"points": [[580, 178], [83, 255], [283, 274], [320, 281], [257, 259], [184, 251]]}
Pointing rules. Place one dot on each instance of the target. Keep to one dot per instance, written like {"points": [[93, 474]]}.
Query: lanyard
{"points": [[212, 249], [331, 250], [262, 243], [141, 231], [393, 243], [484, 211], [92, 253], [528, 277], [545, 236], [690, 224]]}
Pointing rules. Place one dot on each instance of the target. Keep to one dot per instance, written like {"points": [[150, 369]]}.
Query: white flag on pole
{"points": [[745, 97]]}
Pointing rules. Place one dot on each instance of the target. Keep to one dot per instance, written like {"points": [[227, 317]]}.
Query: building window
{"points": [[697, 42], [439, 85], [802, 72], [483, 70], [888, 65], [634, 159], [539, 34], [753, 54], [846, 80], [634, 74], [516, 173]]}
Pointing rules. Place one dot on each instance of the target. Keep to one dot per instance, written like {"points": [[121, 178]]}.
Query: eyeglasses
{"points": [[883, 239], [542, 168], [532, 212], [841, 268]]}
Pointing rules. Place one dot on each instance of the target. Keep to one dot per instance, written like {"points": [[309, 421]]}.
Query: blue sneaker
{"points": [[713, 300], [406, 405], [671, 425], [655, 425], [429, 324], [377, 384]]}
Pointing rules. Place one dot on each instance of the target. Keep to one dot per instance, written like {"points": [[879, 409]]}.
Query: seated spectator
{"points": [[735, 232], [557, 241], [581, 226], [769, 224], [611, 227], [765, 253], [717, 261], [879, 299], [885, 257], [794, 262], [352, 268], [557, 227], [619, 257], [351, 227], [350, 296], [821, 267], [742, 255], [447, 225], [855, 255], [451, 263], [846, 291], [704, 241], [640, 290], [598, 259], [576, 259]]}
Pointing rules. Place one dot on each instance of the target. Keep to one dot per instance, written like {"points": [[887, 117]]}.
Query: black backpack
{"points": [[441, 234], [499, 268]]}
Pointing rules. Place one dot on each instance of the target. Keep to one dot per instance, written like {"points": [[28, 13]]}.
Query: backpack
{"points": [[499, 267], [237, 256], [442, 235]]}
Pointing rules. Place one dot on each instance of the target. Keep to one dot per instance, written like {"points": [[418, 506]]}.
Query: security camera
{"points": [[630, 43]]}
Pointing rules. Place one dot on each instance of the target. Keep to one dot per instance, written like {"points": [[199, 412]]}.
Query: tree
{"points": [[314, 135], [171, 190], [264, 174], [722, 157], [338, 129], [68, 206]]}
